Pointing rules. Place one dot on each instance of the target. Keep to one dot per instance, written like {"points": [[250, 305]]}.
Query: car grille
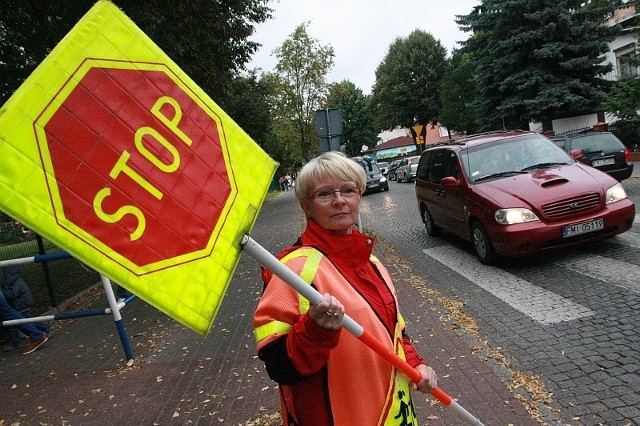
{"points": [[570, 207]]}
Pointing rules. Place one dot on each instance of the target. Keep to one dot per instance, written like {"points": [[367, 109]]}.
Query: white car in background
{"points": [[384, 167]]}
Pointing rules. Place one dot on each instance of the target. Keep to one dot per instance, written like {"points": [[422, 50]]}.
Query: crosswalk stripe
{"points": [[537, 303], [630, 239], [612, 271]]}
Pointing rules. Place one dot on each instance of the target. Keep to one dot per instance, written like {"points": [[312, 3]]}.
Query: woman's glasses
{"points": [[326, 195]]}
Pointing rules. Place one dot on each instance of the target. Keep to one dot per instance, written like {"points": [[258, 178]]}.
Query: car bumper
{"points": [[376, 187], [533, 237], [621, 174]]}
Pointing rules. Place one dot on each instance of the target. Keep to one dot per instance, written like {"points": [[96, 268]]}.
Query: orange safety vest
{"points": [[364, 389]]}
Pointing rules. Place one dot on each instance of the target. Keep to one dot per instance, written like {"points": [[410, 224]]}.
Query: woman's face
{"points": [[334, 204]]}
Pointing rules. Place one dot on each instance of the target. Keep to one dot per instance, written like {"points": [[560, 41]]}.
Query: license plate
{"points": [[603, 162], [582, 228], [372, 185]]}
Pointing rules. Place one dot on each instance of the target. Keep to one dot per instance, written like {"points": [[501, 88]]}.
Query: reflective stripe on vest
{"points": [[308, 272]]}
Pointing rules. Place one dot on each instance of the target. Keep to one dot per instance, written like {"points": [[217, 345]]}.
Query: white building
{"points": [[625, 44]]}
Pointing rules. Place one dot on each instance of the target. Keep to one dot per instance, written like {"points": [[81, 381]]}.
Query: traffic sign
{"points": [[112, 152], [137, 128]]}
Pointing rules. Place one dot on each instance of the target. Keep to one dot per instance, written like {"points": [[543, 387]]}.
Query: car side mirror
{"points": [[449, 182], [576, 154]]}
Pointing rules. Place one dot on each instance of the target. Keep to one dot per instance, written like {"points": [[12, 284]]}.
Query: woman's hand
{"points": [[327, 313], [429, 380]]}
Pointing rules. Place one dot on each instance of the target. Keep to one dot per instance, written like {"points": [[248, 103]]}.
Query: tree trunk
{"points": [[547, 125]]}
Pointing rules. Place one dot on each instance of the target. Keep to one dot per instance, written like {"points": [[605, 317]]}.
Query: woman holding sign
{"points": [[325, 375]]}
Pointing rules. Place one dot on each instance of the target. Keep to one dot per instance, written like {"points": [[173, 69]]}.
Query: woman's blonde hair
{"points": [[332, 164]]}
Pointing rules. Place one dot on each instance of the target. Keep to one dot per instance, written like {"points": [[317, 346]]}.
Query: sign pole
{"points": [[329, 128], [269, 261]]}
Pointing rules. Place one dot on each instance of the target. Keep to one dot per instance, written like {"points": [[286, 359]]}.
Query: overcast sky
{"points": [[360, 31]]}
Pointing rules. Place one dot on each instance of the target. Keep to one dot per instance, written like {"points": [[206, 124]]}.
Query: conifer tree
{"points": [[537, 60]]}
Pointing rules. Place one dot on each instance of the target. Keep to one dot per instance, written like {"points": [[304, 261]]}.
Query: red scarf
{"points": [[350, 254]]}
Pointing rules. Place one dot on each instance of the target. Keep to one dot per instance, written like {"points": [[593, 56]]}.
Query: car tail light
{"points": [[627, 156], [576, 154]]}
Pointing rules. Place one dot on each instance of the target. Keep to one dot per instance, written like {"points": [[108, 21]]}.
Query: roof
{"points": [[395, 142], [433, 137]]}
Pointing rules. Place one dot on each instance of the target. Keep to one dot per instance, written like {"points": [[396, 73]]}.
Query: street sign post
{"points": [[329, 128]]}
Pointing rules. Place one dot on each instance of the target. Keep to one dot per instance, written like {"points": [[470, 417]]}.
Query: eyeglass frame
{"points": [[316, 196]]}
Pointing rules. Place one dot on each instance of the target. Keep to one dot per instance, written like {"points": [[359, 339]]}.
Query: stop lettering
{"points": [[138, 163]]}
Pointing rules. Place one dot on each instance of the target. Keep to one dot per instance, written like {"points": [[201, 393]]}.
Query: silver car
{"points": [[406, 171]]}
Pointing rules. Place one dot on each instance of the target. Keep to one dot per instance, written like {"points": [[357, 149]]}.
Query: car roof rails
{"points": [[465, 139]]}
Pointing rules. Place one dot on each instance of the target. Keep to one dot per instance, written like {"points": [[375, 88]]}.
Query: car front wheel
{"points": [[433, 230], [482, 244]]}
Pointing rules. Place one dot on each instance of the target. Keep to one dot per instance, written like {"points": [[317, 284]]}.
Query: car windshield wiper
{"points": [[543, 165], [501, 174]]}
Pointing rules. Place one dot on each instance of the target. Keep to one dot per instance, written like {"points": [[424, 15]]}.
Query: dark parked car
{"points": [[517, 194], [602, 150], [406, 171], [376, 182], [391, 173]]}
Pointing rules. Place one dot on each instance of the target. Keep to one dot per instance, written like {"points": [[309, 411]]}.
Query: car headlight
{"points": [[383, 179], [615, 193], [515, 215]]}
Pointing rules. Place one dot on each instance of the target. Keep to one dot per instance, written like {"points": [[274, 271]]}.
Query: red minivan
{"points": [[515, 193]]}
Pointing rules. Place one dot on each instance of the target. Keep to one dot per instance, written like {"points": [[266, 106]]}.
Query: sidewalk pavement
{"points": [[80, 376]]}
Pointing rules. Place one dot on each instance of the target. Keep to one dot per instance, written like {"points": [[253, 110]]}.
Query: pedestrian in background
{"points": [[17, 294], [327, 376]]}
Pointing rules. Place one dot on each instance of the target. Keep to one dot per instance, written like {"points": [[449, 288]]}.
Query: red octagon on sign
{"points": [[138, 163]]}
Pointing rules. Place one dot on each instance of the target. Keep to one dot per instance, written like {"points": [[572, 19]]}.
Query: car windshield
{"points": [[510, 156], [596, 143]]}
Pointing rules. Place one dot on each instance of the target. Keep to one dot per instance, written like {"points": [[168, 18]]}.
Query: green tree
{"points": [[357, 122], [282, 141], [537, 60], [302, 66], [624, 99], [248, 105], [207, 39], [408, 82], [459, 95]]}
